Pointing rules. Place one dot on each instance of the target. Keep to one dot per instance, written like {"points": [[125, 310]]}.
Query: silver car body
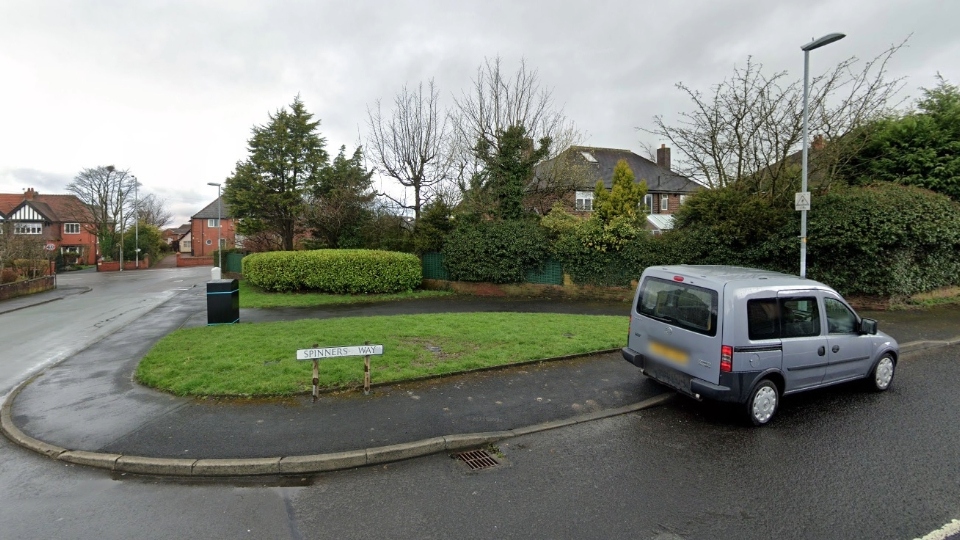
{"points": [[800, 334]]}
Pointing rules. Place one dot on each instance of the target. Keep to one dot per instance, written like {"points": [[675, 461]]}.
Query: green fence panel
{"points": [[433, 267], [232, 262], [551, 274]]}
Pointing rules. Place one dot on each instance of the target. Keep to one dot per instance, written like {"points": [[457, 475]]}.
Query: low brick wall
{"points": [[114, 266], [23, 288], [186, 260]]}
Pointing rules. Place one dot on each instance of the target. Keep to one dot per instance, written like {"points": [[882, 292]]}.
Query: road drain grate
{"points": [[478, 459]]}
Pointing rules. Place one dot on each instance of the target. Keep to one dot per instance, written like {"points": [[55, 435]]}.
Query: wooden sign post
{"points": [[316, 354]]}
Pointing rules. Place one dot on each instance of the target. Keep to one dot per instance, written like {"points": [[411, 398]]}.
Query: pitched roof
{"points": [[210, 211], [601, 161], [659, 180], [59, 208]]}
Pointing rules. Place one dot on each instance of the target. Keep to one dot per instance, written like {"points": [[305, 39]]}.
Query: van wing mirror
{"points": [[868, 326]]}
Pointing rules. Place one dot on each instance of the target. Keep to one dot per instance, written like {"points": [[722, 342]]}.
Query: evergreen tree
{"points": [[340, 202], [287, 159], [624, 197], [508, 167], [921, 148]]}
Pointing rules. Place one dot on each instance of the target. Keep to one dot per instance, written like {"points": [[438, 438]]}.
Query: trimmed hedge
{"points": [[335, 271]]}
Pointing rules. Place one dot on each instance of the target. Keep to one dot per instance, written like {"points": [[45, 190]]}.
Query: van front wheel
{"points": [[763, 402]]}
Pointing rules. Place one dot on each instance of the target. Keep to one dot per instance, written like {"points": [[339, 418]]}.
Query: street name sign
{"points": [[337, 352]]}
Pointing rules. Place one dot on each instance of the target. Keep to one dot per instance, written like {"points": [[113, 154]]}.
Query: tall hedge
{"points": [[884, 240], [887, 240], [336, 271], [495, 251]]}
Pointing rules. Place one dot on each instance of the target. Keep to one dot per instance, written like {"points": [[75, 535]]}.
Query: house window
{"points": [[27, 228], [209, 242], [585, 201], [223, 243], [664, 203], [71, 228], [683, 199], [648, 202], [70, 250], [185, 245], [213, 223]]}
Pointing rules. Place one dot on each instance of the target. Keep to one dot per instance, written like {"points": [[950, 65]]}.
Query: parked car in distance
{"points": [[751, 336]]}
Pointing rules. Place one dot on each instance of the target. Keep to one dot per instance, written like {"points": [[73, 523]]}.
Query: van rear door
{"points": [[675, 324]]}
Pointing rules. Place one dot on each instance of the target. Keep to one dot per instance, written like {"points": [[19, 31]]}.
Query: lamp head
{"points": [[825, 40]]}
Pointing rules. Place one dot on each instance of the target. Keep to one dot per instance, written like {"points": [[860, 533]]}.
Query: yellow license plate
{"points": [[670, 353]]}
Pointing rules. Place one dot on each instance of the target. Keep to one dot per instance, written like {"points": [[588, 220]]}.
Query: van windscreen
{"points": [[680, 304]]}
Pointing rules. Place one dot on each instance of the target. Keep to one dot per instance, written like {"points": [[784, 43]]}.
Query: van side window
{"points": [[763, 318], [800, 317], [840, 320]]}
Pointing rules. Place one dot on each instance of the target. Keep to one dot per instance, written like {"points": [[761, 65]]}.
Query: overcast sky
{"points": [[170, 90]]}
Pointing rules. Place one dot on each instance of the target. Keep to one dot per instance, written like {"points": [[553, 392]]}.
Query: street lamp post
{"points": [[121, 237], [815, 44], [136, 217], [219, 226]]}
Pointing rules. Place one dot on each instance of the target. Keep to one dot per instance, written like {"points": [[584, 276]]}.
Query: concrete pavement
{"points": [[87, 410]]}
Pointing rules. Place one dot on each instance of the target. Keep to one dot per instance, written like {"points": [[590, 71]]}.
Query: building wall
{"points": [[204, 238], [85, 240], [673, 203]]}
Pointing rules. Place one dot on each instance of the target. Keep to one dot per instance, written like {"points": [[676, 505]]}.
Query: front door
{"points": [[848, 351]]}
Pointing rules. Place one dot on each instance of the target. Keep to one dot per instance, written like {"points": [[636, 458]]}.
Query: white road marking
{"points": [[944, 532]]}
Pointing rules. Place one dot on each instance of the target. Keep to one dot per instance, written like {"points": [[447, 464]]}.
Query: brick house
{"points": [[64, 222], [579, 167], [173, 236], [202, 237]]}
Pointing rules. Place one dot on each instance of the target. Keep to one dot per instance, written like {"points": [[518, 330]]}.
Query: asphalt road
{"points": [[837, 463], [39, 336]]}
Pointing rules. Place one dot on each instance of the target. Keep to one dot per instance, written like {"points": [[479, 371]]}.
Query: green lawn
{"points": [[254, 297], [260, 359]]}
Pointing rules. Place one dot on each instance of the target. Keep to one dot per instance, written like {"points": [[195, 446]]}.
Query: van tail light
{"points": [[726, 359]]}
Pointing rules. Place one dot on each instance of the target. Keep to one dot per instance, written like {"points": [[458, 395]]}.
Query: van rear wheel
{"points": [[763, 402]]}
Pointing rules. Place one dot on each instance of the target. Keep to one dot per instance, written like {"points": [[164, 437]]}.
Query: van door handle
{"points": [[836, 348], [822, 350]]}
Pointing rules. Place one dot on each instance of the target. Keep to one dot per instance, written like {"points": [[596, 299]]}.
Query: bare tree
{"points": [[107, 191], [410, 144], [748, 126], [153, 211], [498, 101]]}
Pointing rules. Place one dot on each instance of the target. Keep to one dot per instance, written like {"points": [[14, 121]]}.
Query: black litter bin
{"points": [[223, 301]]}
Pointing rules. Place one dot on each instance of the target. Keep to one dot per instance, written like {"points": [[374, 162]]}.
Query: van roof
{"points": [[721, 275]]}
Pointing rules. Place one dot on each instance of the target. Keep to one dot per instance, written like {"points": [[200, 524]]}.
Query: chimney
{"points": [[817, 142], [29, 194], [663, 157]]}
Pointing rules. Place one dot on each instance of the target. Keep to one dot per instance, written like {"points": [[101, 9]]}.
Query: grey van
{"points": [[750, 336]]}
